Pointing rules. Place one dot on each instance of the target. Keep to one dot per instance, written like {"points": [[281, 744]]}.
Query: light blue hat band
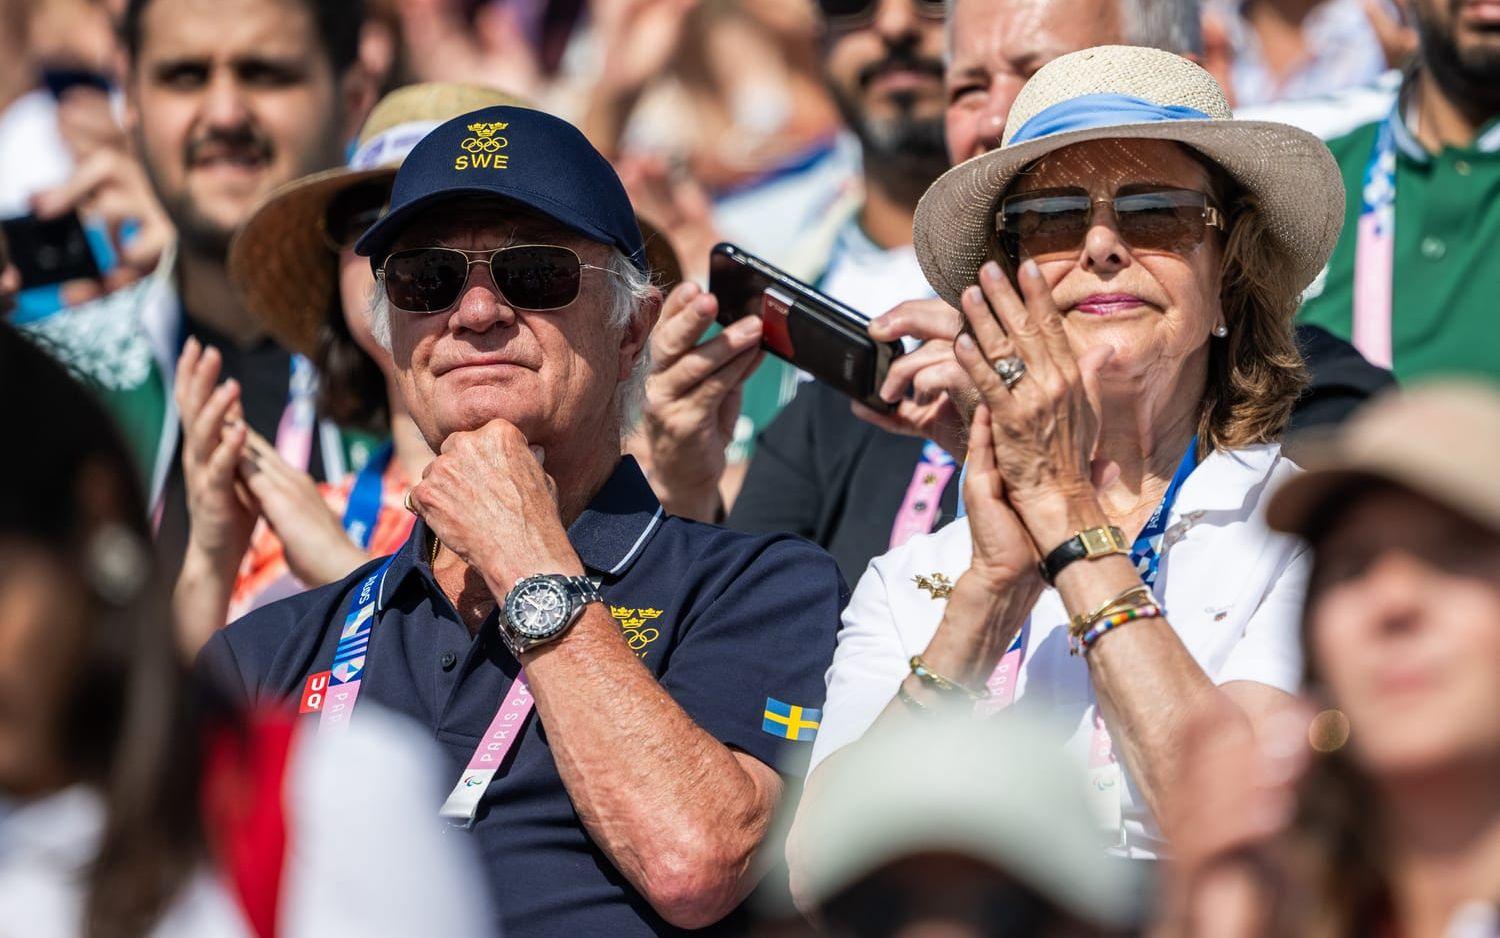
{"points": [[1100, 110]]}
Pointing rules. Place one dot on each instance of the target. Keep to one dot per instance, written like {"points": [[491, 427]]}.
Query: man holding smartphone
{"points": [[227, 101]]}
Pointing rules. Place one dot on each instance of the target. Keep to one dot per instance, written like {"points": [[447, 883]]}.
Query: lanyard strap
{"points": [[365, 498], [1375, 248], [294, 435], [348, 670], [924, 493]]}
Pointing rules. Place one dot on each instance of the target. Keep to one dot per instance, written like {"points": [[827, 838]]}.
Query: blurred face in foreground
{"points": [[1404, 619]]}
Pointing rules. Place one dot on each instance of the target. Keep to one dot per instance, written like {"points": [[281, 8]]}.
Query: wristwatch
{"points": [[1085, 545], [539, 609]]}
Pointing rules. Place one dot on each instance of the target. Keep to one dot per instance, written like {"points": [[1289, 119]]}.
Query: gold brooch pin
{"points": [[937, 584]]}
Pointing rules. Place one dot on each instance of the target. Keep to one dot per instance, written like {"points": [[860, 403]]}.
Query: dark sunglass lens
{"points": [[537, 276], [354, 210], [1169, 221], [425, 280], [1046, 227]]}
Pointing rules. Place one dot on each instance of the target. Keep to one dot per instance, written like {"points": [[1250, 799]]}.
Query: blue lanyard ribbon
{"points": [[365, 498], [1146, 552], [354, 638]]}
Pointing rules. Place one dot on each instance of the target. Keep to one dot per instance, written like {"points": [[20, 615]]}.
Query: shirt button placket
{"points": [[447, 660]]}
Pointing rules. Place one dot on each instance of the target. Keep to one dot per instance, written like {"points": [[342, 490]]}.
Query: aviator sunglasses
{"points": [[1051, 224], [529, 276]]}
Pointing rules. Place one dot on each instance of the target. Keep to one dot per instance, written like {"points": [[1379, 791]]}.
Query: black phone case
{"points": [[802, 326], [51, 251]]}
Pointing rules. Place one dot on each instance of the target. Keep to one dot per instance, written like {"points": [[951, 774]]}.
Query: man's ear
{"points": [[637, 333]]}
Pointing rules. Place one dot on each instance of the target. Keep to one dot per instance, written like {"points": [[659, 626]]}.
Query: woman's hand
{"points": [[1047, 423], [221, 515], [317, 549], [1003, 553]]}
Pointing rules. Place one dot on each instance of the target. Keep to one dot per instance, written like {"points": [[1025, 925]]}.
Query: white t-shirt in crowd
{"points": [[1232, 588], [366, 853], [871, 279]]}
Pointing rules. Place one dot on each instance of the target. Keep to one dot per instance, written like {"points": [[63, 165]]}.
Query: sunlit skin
{"points": [[230, 99], [1404, 610], [553, 374], [887, 95], [1162, 342], [997, 46]]}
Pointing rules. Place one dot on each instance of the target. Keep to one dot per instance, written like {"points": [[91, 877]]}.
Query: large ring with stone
{"points": [[1011, 370], [406, 503]]}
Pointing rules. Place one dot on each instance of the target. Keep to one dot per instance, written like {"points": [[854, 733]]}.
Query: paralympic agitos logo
{"points": [[482, 151]]}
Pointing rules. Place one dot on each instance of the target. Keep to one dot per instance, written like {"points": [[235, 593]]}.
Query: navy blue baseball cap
{"points": [[516, 153]]}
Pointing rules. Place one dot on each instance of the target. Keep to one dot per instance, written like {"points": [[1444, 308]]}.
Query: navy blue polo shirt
{"points": [[738, 628]]}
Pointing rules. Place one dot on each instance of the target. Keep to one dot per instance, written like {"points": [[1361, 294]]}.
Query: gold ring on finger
{"points": [[407, 502], [1011, 370]]}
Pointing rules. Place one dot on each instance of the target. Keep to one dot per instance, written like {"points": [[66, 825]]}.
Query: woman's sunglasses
{"points": [[1051, 224], [847, 14], [351, 211], [529, 276]]}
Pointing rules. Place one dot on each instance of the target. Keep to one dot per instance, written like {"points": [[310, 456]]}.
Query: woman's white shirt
{"points": [[366, 853], [1231, 587]]}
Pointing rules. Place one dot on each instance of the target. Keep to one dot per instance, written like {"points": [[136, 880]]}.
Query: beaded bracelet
{"points": [[927, 676], [1082, 643]]}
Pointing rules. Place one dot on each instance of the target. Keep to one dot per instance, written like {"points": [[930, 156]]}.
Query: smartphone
{"points": [[49, 251], [809, 329]]}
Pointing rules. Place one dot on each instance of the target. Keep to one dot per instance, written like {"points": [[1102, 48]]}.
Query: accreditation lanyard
{"points": [[924, 494], [348, 669], [294, 434], [1375, 248], [1145, 554], [363, 507]]}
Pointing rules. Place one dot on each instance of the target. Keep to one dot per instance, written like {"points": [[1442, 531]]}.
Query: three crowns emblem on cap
{"points": [[483, 149]]}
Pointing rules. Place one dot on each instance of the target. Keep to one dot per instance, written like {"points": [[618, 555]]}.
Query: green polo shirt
{"points": [[1446, 291]]}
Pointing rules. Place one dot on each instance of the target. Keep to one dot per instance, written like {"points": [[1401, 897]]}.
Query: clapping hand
{"points": [[317, 549], [222, 513]]}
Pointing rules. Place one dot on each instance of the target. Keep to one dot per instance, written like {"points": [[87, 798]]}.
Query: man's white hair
{"points": [[631, 295]]}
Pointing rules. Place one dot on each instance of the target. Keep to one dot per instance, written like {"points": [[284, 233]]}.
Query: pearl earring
{"points": [[1221, 330]]}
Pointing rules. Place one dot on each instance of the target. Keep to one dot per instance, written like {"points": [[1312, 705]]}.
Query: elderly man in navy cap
{"points": [[614, 686]]}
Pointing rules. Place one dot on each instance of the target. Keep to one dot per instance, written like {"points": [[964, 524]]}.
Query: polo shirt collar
{"points": [[1404, 132], [609, 535], [1227, 480]]}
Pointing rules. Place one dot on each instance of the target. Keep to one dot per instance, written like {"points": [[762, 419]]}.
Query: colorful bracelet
{"points": [[1080, 644], [927, 676]]}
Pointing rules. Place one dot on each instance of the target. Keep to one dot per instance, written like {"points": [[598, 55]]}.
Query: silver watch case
{"points": [[539, 609]]}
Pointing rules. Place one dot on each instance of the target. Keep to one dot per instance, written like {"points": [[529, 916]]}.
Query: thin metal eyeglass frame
{"points": [[486, 257]]}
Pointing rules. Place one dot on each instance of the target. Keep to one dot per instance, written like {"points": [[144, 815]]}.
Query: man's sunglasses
{"points": [[848, 14], [351, 211], [1051, 224], [529, 276]]}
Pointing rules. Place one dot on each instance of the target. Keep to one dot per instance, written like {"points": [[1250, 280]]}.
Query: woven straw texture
{"points": [[1291, 171]]}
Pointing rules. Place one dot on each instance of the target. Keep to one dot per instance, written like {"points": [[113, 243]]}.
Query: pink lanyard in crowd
{"points": [[337, 690], [924, 494], [1375, 248]]}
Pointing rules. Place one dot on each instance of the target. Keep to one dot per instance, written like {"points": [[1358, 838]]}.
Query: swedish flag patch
{"points": [[789, 721]]}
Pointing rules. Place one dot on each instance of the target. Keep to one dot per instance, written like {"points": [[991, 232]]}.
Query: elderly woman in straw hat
{"points": [[295, 268], [1128, 264]]}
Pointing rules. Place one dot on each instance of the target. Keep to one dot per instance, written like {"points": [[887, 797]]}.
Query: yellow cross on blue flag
{"points": [[789, 721]]}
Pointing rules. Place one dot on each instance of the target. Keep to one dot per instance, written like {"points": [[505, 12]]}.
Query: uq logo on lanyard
{"points": [[1105, 780]]}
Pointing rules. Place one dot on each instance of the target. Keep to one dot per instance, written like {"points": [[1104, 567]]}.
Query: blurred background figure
{"points": [[134, 803], [1394, 826], [937, 829], [227, 101], [262, 528]]}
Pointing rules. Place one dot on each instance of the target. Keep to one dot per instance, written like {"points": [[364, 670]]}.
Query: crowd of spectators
{"points": [[366, 351]]}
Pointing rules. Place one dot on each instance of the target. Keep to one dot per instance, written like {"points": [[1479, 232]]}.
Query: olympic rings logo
{"points": [[640, 638], [484, 144]]}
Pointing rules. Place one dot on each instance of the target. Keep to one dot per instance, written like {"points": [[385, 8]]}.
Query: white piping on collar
{"points": [[639, 543]]}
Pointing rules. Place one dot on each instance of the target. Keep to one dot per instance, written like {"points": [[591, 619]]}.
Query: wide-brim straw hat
{"points": [[280, 262], [1131, 92], [1440, 440]]}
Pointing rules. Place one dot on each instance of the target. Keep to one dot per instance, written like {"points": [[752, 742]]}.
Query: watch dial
{"points": [[536, 609]]}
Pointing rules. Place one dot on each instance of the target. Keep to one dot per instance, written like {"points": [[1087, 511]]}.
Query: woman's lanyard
{"points": [[363, 507], [348, 670], [1145, 554], [924, 494], [1375, 247]]}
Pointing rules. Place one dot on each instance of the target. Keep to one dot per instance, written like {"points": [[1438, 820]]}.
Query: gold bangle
{"points": [[913, 704], [1129, 598], [927, 676]]}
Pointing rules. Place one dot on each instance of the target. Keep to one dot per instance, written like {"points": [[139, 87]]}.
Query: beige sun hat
{"points": [[1440, 440], [1132, 92]]}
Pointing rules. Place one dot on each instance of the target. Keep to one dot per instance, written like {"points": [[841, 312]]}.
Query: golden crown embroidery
{"points": [[482, 151]]}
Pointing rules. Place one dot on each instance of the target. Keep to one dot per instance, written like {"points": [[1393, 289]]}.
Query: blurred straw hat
{"points": [[280, 262], [1001, 791], [1440, 440], [1112, 92]]}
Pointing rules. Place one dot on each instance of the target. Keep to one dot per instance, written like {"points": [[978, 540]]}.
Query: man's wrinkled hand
{"points": [[488, 500]]}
